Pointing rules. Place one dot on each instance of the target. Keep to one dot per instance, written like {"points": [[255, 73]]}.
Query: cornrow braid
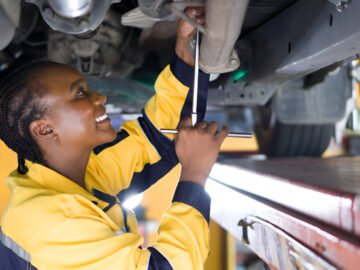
{"points": [[21, 104]]}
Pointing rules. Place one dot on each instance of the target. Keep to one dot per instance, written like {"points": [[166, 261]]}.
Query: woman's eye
{"points": [[81, 92]]}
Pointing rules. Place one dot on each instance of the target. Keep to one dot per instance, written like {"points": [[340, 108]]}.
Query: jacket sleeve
{"points": [[141, 154], [83, 240]]}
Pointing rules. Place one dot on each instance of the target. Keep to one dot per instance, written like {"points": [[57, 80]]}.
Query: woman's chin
{"points": [[112, 135], [108, 136]]}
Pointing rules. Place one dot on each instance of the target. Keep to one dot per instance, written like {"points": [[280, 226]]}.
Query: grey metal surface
{"points": [[223, 21], [341, 5], [230, 93], [9, 20], [71, 8], [137, 18], [336, 174], [154, 8], [323, 103], [223, 25], [260, 11], [12, 10], [354, 145], [151, 11], [80, 25], [307, 36], [108, 53]]}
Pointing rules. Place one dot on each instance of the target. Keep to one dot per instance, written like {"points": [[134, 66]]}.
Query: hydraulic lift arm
{"points": [[294, 214]]}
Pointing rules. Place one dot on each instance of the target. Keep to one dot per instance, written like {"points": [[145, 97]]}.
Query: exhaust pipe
{"points": [[224, 21]]}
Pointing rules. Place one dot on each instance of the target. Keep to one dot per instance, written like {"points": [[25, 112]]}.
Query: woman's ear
{"points": [[41, 130]]}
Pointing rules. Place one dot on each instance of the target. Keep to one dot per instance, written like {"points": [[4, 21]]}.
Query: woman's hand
{"points": [[186, 32], [197, 149]]}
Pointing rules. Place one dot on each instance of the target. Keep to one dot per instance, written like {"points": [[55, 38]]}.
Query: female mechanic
{"points": [[75, 169]]}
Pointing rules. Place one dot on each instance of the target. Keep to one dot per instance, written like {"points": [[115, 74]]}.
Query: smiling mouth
{"points": [[101, 118]]}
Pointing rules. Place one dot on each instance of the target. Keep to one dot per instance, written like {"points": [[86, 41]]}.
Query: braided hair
{"points": [[20, 104]]}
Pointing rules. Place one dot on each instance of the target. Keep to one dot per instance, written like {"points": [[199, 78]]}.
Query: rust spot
{"points": [[320, 247]]}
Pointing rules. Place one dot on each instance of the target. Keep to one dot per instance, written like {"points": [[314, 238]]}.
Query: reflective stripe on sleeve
{"points": [[12, 245]]}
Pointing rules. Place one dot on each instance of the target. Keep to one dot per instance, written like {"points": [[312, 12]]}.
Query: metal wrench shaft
{"points": [[230, 134], [196, 81], [194, 114]]}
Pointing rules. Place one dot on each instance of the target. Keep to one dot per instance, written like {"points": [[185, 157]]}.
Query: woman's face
{"points": [[75, 113]]}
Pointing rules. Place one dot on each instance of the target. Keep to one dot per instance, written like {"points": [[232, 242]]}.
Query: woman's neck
{"points": [[72, 167]]}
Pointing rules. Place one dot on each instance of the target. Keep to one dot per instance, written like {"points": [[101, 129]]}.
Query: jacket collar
{"points": [[52, 180]]}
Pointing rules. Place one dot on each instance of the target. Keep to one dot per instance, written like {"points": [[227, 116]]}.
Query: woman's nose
{"points": [[99, 99]]}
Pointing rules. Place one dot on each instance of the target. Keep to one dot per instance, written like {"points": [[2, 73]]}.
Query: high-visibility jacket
{"points": [[53, 223]]}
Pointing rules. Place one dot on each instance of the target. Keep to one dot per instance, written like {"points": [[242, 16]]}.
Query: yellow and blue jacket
{"points": [[53, 223]]}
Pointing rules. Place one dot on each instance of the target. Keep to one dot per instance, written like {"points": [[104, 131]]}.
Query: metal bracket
{"points": [[245, 225], [241, 93], [149, 12]]}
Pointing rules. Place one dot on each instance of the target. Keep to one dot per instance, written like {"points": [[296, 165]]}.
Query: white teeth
{"points": [[101, 118]]}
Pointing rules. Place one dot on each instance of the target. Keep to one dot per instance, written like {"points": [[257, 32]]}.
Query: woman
{"points": [[65, 211]]}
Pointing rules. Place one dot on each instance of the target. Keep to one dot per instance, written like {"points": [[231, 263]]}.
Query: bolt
{"points": [[4, 66], [83, 24], [108, 74], [17, 54], [48, 13], [233, 61], [193, 44], [342, 5]]}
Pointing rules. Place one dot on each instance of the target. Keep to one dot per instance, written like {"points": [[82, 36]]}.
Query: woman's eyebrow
{"points": [[75, 83]]}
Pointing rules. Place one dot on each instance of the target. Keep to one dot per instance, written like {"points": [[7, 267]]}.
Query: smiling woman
{"points": [[75, 124], [66, 211], [57, 109]]}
